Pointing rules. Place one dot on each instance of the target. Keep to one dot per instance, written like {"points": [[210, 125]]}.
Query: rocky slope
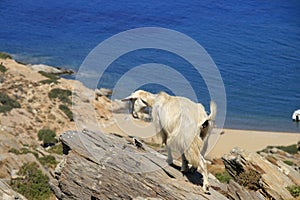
{"points": [[101, 166], [35, 110]]}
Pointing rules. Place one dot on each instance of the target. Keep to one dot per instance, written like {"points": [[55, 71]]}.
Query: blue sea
{"points": [[254, 44]]}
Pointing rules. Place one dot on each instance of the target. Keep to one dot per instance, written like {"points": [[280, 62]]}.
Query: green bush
{"points": [[35, 184], [2, 68], [7, 104], [22, 151], [57, 149], [67, 111], [14, 151], [48, 161], [292, 149], [288, 162], [47, 136], [223, 177], [61, 94], [51, 78], [294, 190], [5, 55]]}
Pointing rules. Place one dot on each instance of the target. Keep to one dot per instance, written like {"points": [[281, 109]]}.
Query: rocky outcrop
{"points": [[8, 194], [103, 92], [50, 69], [100, 166], [255, 172]]}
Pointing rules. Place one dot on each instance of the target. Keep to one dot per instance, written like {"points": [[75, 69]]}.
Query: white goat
{"points": [[181, 123]]}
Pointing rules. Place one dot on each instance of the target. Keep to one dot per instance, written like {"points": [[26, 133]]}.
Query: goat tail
{"points": [[213, 111]]}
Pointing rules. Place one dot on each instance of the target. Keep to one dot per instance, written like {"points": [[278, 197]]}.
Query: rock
{"points": [[14, 174], [274, 150], [50, 70], [103, 92], [255, 172], [236, 191], [6, 193], [100, 166], [290, 172]]}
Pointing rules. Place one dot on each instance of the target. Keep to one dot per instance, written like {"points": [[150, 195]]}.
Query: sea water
{"points": [[255, 45]]}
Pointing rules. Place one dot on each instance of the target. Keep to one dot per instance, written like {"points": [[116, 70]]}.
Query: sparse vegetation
{"points": [[223, 177], [5, 55], [14, 151], [57, 149], [2, 68], [61, 94], [67, 111], [7, 104], [47, 136], [22, 151], [249, 179], [48, 161], [51, 78], [294, 190], [288, 162], [292, 149], [34, 185]]}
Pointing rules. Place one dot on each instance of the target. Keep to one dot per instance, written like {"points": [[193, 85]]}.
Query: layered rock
{"points": [[6, 193], [50, 69], [258, 174], [100, 166]]}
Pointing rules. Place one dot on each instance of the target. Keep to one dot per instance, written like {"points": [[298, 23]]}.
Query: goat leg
{"points": [[170, 158], [184, 164]]}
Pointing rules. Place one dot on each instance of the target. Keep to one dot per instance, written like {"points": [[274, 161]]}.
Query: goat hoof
{"points": [[184, 169], [206, 188], [170, 162]]}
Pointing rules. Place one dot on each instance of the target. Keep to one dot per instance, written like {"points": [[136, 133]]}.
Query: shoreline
{"points": [[251, 140]]}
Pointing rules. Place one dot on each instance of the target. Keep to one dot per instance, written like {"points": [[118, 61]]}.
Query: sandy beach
{"points": [[251, 140]]}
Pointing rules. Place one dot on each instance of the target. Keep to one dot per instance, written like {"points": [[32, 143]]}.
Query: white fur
{"points": [[179, 121]]}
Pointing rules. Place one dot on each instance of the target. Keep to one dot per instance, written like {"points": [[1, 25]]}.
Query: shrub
{"points": [[61, 94], [57, 149], [5, 55], [292, 149], [288, 162], [249, 179], [51, 78], [294, 190], [67, 111], [22, 151], [2, 68], [14, 151], [7, 104], [47, 136], [48, 161], [223, 177], [35, 184]]}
